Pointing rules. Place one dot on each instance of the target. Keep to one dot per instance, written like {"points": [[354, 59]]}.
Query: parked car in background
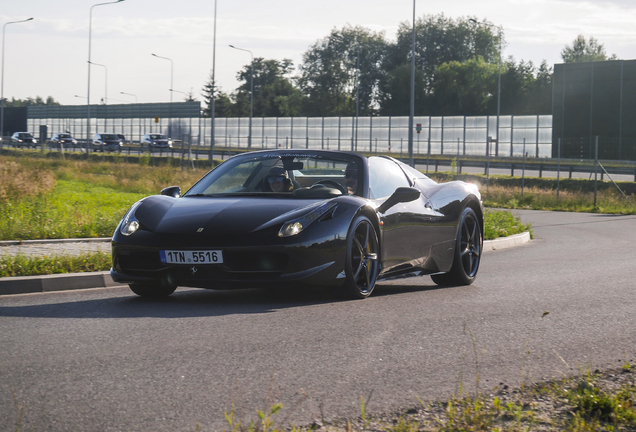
{"points": [[64, 139], [24, 139], [105, 141], [156, 141]]}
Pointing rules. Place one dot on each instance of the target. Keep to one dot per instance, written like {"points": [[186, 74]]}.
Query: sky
{"points": [[48, 55]]}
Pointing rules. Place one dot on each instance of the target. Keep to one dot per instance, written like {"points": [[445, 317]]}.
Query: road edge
{"points": [[76, 281]]}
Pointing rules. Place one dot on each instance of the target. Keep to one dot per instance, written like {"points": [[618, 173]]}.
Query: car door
{"points": [[406, 227]]}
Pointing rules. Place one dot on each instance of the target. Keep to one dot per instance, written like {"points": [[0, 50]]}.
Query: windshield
{"points": [[109, 137], [25, 135], [64, 136], [294, 175], [157, 136]]}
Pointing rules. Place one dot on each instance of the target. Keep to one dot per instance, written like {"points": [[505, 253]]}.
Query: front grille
{"points": [[254, 261], [139, 260]]}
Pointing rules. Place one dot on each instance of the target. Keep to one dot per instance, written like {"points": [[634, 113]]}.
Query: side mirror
{"points": [[401, 195], [173, 191]]}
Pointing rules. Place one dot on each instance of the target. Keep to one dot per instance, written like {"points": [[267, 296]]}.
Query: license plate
{"points": [[191, 257]]}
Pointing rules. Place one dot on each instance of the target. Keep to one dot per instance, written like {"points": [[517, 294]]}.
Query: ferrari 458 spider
{"points": [[299, 217]]}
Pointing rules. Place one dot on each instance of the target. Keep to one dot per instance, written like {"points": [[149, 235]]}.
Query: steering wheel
{"points": [[331, 183]]}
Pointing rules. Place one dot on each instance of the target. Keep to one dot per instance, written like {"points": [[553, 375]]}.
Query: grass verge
{"points": [[589, 402], [497, 223], [21, 265], [574, 195]]}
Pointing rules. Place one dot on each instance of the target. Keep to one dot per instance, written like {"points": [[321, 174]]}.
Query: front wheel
{"points": [[362, 259], [468, 249], [150, 290]]}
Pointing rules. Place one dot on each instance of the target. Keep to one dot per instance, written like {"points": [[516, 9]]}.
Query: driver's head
{"points": [[278, 180], [351, 178]]}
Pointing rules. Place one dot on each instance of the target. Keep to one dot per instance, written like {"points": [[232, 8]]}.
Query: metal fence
{"points": [[444, 135]]}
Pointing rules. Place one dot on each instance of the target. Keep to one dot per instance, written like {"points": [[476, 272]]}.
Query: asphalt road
{"points": [[107, 360]]}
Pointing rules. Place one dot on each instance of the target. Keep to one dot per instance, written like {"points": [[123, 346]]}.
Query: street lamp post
{"points": [[2, 79], [171, 84], [105, 92], [499, 31], [212, 114], [412, 110], [129, 94], [249, 136], [88, 93]]}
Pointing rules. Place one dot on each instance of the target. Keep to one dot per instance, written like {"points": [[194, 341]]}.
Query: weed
{"points": [[265, 422], [19, 413], [592, 403]]}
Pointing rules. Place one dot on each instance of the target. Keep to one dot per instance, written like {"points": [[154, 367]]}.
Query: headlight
{"points": [[295, 226], [129, 223]]}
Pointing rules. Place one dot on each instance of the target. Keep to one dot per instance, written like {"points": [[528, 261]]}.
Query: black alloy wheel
{"points": [[362, 259], [468, 250]]}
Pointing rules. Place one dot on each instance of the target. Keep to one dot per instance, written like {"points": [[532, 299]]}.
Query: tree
{"points": [[336, 68], [274, 93], [539, 98], [585, 51], [517, 82], [395, 94], [223, 103], [189, 97], [438, 40], [30, 101], [464, 88]]}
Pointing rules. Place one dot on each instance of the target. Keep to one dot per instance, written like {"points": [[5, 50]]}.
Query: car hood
{"points": [[219, 217]]}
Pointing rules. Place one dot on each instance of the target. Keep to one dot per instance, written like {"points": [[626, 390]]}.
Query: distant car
{"points": [[104, 141], [64, 139], [24, 139], [156, 141], [122, 138]]}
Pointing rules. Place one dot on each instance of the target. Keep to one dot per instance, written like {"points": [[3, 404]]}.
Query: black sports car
{"points": [[301, 217]]}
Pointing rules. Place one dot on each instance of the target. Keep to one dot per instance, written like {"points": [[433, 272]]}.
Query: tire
{"points": [[362, 263], [150, 290], [468, 249]]}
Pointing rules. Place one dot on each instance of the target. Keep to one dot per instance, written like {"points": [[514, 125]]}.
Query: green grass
{"points": [[592, 402], [575, 195], [73, 209], [44, 198], [21, 265], [501, 223]]}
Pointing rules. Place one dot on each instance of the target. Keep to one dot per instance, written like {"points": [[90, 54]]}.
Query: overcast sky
{"points": [[48, 55]]}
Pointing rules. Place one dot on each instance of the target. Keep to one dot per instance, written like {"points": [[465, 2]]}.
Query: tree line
{"points": [[355, 69]]}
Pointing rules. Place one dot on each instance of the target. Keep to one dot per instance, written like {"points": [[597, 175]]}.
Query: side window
{"points": [[385, 177]]}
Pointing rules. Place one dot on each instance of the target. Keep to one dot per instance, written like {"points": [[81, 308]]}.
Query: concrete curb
{"points": [[74, 281], [56, 282], [53, 241], [507, 242]]}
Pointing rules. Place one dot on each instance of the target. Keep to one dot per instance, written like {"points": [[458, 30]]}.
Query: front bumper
{"points": [[316, 264]]}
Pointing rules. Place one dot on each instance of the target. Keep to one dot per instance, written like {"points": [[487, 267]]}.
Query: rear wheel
{"points": [[468, 249], [361, 266], [152, 290]]}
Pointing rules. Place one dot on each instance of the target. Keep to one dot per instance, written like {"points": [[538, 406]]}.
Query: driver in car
{"points": [[278, 180], [351, 178]]}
